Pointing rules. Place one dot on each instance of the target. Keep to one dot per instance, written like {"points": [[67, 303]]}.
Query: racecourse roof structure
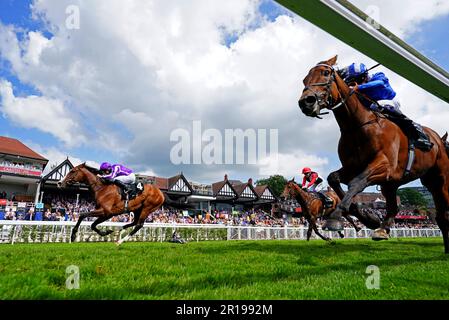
{"points": [[179, 184], [174, 185], [58, 172], [245, 191], [265, 193], [237, 192], [224, 189], [14, 147], [348, 23]]}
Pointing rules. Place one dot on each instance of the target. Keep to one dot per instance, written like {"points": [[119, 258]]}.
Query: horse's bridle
{"points": [[312, 197], [95, 186], [319, 96]]}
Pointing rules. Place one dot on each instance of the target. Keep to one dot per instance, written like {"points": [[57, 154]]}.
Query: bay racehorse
{"points": [[374, 151], [313, 206], [109, 201]]}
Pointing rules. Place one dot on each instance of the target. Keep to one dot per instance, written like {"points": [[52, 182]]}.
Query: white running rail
{"points": [[49, 231]]}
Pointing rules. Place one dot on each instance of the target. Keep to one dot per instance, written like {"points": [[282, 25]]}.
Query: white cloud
{"points": [[404, 17], [47, 115], [137, 70], [36, 44], [56, 156], [291, 164]]}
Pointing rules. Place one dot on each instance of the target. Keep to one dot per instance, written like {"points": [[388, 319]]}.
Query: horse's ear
{"points": [[444, 138], [293, 179], [332, 61]]}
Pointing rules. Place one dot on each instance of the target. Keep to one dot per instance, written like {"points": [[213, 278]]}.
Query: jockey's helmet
{"points": [[105, 166], [306, 170], [356, 69]]}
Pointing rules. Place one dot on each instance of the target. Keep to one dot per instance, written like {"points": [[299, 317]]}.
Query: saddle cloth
{"points": [[135, 189]]}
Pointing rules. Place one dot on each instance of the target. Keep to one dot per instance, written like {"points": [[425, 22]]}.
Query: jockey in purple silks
{"points": [[118, 174]]}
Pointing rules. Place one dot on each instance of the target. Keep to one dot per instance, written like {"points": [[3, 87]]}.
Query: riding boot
{"points": [[412, 129], [422, 141], [328, 202], [123, 186], [416, 133]]}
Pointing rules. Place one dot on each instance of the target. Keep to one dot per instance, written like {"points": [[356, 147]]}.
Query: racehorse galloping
{"points": [[313, 207], [109, 202], [374, 151]]}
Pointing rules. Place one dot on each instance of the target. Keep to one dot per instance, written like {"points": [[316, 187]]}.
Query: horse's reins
{"points": [[311, 197], [97, 185], [342, 100]]}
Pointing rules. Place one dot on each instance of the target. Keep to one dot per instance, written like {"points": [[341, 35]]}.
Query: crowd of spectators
{"points": [[66, 208], [242, 218], [21, 165]]}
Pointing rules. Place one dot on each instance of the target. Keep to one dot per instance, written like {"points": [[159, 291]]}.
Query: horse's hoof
{"points": [[333, 225], [357, 229], [380, 234], [107, 232], [73, 238]]}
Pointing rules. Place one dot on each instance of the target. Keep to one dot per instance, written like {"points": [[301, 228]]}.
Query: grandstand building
{"points": [[223, 195], [20, 170], [236, 195], [49, 191]]}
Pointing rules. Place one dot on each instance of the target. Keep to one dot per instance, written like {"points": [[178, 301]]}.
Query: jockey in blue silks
{"points": [[382, 99], [118, 174]]}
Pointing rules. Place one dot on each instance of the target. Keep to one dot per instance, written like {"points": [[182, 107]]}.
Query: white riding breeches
{"points": [[392, 105], [127, 179], [316, 187]]}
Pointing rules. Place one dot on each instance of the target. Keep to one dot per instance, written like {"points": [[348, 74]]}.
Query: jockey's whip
{"points": [[373, 67]]}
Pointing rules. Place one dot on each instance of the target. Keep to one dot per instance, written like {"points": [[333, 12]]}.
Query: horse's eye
{"points": [[326, 73]]}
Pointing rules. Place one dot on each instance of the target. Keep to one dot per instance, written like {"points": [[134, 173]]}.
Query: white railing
{"points": [[300, 233], [49, 231]]}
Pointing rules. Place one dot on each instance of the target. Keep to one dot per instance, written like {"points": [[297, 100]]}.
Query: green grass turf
{"points": [[409, 269]]}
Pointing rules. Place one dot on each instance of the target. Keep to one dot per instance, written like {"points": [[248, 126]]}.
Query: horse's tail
{"points": [[446, 144], [176, 204]]}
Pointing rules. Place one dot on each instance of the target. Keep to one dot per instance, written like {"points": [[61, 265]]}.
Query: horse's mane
{"points": [[92, 169], [302, 202]]}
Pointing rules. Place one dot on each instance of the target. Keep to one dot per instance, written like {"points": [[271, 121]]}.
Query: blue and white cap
{"points": [[356, 69]]}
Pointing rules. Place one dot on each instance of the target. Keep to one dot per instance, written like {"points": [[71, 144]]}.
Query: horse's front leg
{"points": [[83, 216], [389, 193], [375, 172], [97, 222], [334, 180], [312, 225]]}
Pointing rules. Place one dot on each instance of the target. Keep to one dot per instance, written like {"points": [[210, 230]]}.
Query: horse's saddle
{"points": [[134, 189], [413, 131], [327, 201]]}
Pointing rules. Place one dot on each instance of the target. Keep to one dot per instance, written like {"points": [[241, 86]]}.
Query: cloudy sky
{"points": [[134, 71]]}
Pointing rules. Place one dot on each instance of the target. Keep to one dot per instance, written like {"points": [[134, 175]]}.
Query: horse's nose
{"points": [[307, 104], [307, 101], [59, 184]]}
